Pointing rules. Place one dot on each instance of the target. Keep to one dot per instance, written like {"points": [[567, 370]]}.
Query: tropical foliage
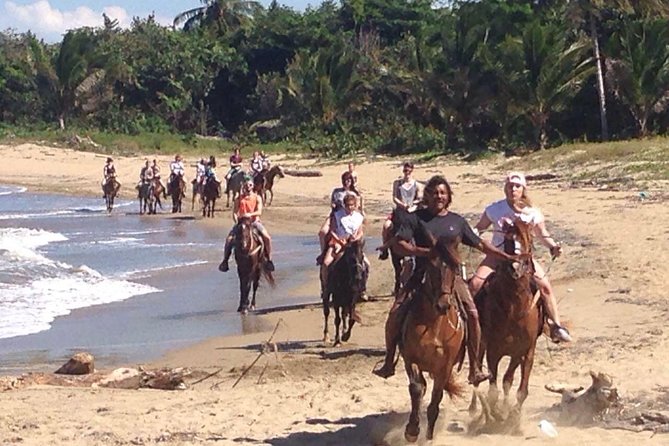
{"points": [[384, 75]]}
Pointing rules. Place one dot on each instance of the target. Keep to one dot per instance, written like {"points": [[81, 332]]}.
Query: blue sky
{"points": [[49, 19]]}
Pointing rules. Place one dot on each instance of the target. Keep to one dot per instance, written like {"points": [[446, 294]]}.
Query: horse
{"points": [[269, 176], [234, 185], [198, 189], [111, 189], [511, 320], [177, 187], [433, 335], [346, 282], [249, 256], [149, 196], [209, 195]]}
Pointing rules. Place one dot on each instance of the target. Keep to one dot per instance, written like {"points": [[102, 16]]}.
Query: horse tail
{"points": [[454, 388], [269, 277]]}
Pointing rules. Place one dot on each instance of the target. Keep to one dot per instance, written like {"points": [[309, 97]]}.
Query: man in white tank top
{"points": [[515, 205]]}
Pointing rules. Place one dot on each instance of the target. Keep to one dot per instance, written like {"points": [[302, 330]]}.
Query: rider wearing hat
{"points": [[247, 205], [108, 173]]}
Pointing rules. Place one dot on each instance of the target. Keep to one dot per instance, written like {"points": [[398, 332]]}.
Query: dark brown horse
{"points": [[346, 282], [209, 196], [234, 186], [177, 187], [511, 320], [433, 335], [269, 176], [111, 189], [250, 259]]}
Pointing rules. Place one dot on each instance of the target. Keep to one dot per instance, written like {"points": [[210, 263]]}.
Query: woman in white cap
{"points": [[516, 204]]}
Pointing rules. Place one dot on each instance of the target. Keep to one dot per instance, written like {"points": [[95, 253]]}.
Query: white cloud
{"points": [[48, 22]]}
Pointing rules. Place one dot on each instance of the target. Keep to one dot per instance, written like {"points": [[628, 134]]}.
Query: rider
{"points": [[210, 175], [156, 176], [348, 226], [266, 163], [435, 220], [200, 170], [177, 169], [406, 195], [108, 173], [145, 175], [515, 205], [351, 169], [235, 166], [256, 164], [248, 204], [336, 203]]}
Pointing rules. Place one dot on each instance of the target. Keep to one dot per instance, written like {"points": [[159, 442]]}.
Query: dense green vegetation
{"points": [[392, 76]]}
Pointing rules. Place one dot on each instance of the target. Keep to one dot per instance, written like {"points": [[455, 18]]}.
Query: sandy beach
{"points": [[609, 283]]}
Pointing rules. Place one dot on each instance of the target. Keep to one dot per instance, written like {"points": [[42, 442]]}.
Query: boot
{"points": [[476, 375], [224, 267]]}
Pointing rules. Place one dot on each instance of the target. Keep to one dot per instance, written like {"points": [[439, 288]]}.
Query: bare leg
{"points": [[558, 332]]}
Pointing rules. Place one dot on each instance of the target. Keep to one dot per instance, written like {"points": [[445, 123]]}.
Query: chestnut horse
{"points": [[511, 320], [433, 335], [250, 259], [346, 282], [269, 176], [111, 189], [149, 196]]}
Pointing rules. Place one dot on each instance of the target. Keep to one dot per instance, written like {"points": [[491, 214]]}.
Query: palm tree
{"points": [[639, 75], [554, 71], [69, 75], [589, 13], [225, 15]]}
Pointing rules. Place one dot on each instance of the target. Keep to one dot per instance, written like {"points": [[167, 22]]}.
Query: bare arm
{"points": [[488, 248], [483, 223], [397, 201], [546, 239], [235, 211], [404, 248]]}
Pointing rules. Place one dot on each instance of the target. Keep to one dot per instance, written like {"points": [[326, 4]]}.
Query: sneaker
{"points": [[269, 265], [383, 255], [560, 334], [224, 267]]}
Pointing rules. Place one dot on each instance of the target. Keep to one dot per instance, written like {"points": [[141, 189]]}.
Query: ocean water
{"points": [[122, 286]]}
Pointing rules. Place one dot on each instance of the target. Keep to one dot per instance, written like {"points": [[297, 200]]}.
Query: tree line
{"points": [[396, 76]]}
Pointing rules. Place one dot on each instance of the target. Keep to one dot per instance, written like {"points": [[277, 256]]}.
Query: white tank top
{"points": [[499, 210]]}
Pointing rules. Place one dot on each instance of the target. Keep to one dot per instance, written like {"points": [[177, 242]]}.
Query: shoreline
{"points": [[310, 393]]}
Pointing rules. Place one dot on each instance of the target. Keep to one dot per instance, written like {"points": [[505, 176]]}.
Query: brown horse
{"points": [[433, 335], [268, 183], [111, 189], [511, 320], [250, 259], [198, 189], [209, 196], [149, 196], [177, 187], [346, 282]]}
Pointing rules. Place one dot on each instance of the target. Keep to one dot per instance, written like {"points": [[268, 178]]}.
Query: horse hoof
{"points": [[326, 339], [411, 438], [252, 308], [244, 311], [346, 336]]}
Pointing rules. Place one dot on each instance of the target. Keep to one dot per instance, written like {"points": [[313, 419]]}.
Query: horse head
{"points": [[518, 240], [245, 234], [442, 269], [353, 258]]}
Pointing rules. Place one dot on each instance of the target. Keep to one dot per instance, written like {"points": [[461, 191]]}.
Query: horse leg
{"points": [[437, 394], [351, 322], [337, 322], [473, 404], [416, 390], [244, 290], [397, 267], [507, 381], [493, 365], [256, 280], [326, 314], [525, 370]]}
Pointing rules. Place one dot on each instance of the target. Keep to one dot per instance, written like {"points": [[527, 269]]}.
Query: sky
{"points": [[50, 19]]}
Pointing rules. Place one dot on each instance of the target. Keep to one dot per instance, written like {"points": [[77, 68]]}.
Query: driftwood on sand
{"points": [[303, 173]]}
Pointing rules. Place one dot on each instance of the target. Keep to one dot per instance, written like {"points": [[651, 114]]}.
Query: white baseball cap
{"points": [[516, 178]]}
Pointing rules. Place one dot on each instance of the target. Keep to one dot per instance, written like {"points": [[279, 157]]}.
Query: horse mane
{"points": [[448, 251]]}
